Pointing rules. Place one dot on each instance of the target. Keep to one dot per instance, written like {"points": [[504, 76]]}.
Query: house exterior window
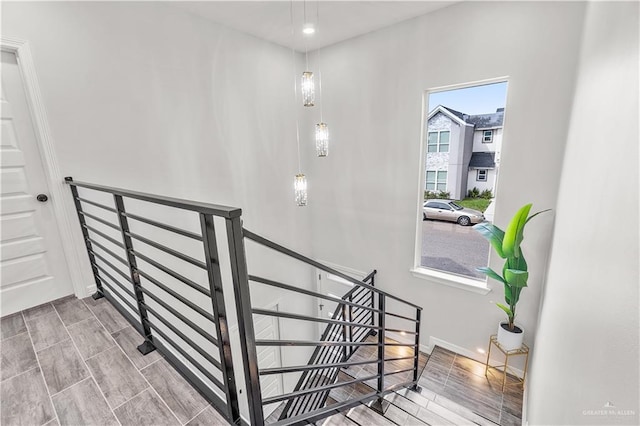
{"points": [[481, 175], [487, 136], [437, 180], [438, 141]]}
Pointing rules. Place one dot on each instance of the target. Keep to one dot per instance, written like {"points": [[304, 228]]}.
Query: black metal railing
{"points": [[174, 298], [352, 324], [141, 296], [343, 335]]}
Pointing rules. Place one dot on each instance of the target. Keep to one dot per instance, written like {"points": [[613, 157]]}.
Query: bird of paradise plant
{"points": [[507, 245]]}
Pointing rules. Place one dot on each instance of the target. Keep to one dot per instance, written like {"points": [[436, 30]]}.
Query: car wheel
{"points": [[424, 216], [464, 220]]}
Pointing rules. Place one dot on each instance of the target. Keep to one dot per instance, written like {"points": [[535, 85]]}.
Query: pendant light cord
{"points": [[295, 84], [319, 62]]}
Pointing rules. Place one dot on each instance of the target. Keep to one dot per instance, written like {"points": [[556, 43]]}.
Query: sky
{"points": [[472, 100]]}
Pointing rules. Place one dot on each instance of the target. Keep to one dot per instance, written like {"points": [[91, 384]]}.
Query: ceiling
{"points": [[339, 20]]}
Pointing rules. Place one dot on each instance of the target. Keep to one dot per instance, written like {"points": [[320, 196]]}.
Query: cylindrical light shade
{"points": [[300, 186], [308, 89], [322, 139]]}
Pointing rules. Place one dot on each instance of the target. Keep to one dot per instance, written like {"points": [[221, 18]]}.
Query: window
{"points": [[459, 120], [438, 141], [436, 180]]}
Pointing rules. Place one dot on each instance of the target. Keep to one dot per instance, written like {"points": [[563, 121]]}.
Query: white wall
{"points": [[365, 208], [587, 344], [148, 97]]}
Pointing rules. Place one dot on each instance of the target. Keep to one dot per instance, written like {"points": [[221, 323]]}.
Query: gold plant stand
{"points": [[504, 368]]}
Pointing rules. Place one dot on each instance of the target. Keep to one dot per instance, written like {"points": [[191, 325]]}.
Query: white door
{"points": [[267, 328], [333, 286], [33, 268]]}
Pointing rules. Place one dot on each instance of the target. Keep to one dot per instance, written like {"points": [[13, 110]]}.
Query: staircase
{"points": [[166, 279]]}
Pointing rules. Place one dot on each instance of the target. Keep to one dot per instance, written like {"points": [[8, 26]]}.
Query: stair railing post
{"points": [[345, 334], [416, 361], [146, 346], [87, 242], [381, 342], [219, 313], [245, 319], [350, 316]]}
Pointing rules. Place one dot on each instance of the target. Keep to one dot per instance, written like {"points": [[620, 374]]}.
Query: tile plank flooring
{"points": [[75, 362]]}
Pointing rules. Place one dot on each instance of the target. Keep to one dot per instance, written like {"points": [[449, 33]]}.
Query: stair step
{"points": [[365, 416]]}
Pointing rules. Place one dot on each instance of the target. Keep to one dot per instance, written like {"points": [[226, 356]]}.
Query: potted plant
{"points": [[514, 272]]}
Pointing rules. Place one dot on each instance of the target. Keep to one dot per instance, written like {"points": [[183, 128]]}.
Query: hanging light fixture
{"points": [[300, 187], [322, 130], [307, 87], [322, 139], [300, 181]]}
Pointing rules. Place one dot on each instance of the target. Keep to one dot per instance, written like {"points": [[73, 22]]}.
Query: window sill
{"points": [[456, 281]]}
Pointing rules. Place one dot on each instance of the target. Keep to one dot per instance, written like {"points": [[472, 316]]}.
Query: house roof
{"points": [[482, 160], [479, 121]]}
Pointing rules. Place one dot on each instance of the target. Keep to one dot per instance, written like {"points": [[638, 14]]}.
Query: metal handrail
{"points": [[282, 249], [359, 313]]}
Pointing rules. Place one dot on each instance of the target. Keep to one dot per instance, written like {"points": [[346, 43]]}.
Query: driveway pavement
{"points": [[453, 248]]}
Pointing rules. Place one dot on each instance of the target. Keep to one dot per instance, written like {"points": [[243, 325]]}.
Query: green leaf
{"points": [[515, 295], [507, 294], [516, 278], [514, 234], [505, 309], [493, 234], [536, 214], [491, 273]]}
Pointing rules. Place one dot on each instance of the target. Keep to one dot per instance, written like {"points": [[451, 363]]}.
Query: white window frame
{"points": [[436, 182], [438, 143], [484, 136], [486, 174], [479, 286]]}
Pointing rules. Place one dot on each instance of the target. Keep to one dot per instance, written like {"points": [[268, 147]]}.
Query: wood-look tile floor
{"points": [[453, 390], [75, 362]]}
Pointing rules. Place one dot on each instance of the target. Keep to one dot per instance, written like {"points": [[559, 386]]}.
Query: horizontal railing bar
{"points": [[303, 392], [163, 226], [401, 331], [404, 358], [105, 236], [101, 220], [102, 206], [118, 283], [299, 368], [184, 353], [207, 208], [277, 247], [401, 317], [181, 317], [398, 372], [113, 291], [264, 342], [166, 249], [106, 250], [174, 274], [112, 266], [182, 336], [307, 318], [178, 296], [307, 292]]}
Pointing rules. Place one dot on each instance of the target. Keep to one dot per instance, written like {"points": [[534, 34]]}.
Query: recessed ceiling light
{"points": [[308, 29]]}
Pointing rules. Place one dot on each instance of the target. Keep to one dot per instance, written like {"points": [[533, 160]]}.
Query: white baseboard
{"points": [[434, 341]]}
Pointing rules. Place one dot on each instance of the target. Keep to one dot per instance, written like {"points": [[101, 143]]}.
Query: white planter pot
{"points": [[508, 339]]}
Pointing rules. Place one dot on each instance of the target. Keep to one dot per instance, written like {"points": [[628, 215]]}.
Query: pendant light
{"points": [[300, 180], [322, 129]]}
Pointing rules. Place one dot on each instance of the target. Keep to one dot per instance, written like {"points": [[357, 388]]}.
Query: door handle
{"points": [[42, 198]]}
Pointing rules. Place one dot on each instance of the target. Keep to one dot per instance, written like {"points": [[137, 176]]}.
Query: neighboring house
{"points": [[463, 151]]}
